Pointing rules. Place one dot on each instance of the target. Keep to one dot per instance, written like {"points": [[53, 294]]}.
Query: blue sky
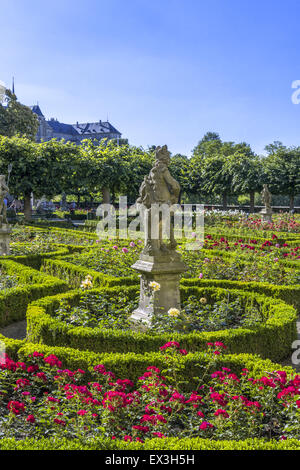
{"points": [[164, 72]]}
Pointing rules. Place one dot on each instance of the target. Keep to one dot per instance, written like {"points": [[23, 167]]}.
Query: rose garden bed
{"points": [[227, 420]]}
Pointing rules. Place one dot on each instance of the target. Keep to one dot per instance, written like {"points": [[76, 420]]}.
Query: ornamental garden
{"points": [[213, 365]]}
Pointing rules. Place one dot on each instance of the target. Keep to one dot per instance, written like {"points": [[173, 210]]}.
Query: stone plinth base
{"points": [[266, 215], [166, 272], [5, 233]]}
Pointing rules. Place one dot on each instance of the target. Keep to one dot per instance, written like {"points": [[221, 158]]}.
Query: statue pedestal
{"points": [[5, 232], [266, 215], [164, 270]]}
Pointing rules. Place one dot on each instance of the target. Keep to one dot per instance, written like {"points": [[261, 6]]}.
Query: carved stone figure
{"points": [[158, 189], [266, 199], [159, 264], [5, 229], [3, 191]]}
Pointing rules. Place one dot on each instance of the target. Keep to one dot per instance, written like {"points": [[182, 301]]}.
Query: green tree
{"points": [[104, 169], [180, 169], [41, 169], [208, 146], [282, 170], [15, 118], [209, 172], [246, 170]]}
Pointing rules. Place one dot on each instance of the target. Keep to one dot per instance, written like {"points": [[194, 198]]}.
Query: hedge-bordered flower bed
{"points": [[133, 364], [176, 394], [14, 302], [272, 339], [74, 274], [289, 294]]}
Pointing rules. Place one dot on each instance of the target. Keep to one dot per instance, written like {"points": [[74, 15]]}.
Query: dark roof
{"points": [[60, 128], [100, 127], [37, 110], [83, 129]]}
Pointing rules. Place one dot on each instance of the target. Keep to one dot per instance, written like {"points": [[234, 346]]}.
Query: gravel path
{"points": [[16, 330]]}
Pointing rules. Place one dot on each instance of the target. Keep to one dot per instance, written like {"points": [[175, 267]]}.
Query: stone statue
{"points": [[266, 199], [3, 191], [158, 188], [160, 265], [5, 229]]}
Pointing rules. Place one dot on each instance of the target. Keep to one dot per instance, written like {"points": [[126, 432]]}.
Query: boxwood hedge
{"points": [[271, 339], [184, 444], [34, 285], [132, 365]]}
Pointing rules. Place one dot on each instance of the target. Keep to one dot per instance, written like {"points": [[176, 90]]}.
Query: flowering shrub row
{"points": [[41, 396]]}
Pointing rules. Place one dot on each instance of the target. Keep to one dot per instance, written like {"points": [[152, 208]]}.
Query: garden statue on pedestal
{"points": [[159, 265], [266, 199], [63, 203], [5, 229]]}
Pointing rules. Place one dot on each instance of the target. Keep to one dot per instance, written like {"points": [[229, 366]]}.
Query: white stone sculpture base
{"points": [[266, 215], [5, 233], [166, 272]]}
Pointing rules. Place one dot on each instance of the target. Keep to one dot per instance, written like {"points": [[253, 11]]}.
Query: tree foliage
{"points": [[15, 118], [282, 170]]}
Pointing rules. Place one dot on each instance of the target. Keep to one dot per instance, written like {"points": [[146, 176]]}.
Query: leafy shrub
{"points": [[41, 396]]}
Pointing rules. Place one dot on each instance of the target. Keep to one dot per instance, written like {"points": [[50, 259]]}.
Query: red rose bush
{"points": [[41, 398]]}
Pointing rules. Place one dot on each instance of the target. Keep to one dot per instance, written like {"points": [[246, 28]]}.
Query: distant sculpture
{"points": [[3, 191], [5, 229], [160, 265], [266, 197], [158, 188], [63, 203]]}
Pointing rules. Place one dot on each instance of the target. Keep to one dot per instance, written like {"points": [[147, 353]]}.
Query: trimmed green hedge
{"points": [[289, 294], [35, 260], [75, 274], [271, 339], [76, 233], [248, 234], [149, 445], [233, 254], [14, 302], [132, 365]]}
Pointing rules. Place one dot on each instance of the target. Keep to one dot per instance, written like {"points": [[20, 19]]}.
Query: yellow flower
{"points": [[87, 283], [203, 300], [173, 312], [154, 286]]}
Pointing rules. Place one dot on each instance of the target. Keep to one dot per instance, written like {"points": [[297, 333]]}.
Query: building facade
{"points": [[53, 129]]}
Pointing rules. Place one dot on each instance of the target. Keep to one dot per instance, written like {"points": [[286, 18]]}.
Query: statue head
{"points": [[163, 155]]}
